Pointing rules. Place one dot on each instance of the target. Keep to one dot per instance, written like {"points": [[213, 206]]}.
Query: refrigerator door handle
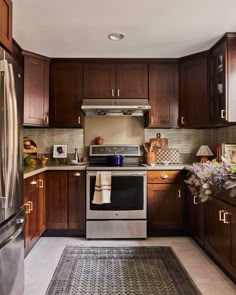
{"points": [[8, 141], [14, 235], [14, 134], [2, 184]]}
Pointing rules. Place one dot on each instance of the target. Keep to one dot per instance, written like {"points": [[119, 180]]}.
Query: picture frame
{"points": [[60, 151], [228, 151]]}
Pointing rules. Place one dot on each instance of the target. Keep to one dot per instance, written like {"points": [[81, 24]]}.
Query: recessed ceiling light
{"points": [[116, 36]]}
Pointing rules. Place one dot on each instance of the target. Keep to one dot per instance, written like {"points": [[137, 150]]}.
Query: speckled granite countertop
{"points": [[33, 170]]}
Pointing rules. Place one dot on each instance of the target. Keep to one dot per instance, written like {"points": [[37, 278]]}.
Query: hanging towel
{"points": [[102, 192]]}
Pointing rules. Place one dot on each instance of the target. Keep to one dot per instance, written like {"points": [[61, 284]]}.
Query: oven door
{"points": [[128, 196]]}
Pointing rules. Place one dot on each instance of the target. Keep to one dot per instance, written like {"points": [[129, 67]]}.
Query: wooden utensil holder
{"points": [[151, 157]]}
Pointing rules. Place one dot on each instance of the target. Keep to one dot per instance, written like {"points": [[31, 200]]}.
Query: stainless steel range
{"points": [[126, 214]]}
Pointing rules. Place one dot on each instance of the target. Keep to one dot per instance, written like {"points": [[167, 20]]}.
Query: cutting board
{"points": [[163, 142]]}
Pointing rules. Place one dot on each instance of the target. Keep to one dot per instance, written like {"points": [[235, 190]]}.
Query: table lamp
{"points": [[204, 152]]}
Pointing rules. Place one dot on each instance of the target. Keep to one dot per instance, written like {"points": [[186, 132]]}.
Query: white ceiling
{"points": [[153, 28]]}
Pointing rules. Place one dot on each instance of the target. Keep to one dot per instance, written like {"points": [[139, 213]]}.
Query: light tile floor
{"points": [[43, 258]]}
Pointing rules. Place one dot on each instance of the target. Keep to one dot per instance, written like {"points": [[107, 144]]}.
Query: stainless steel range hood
{"points": [[115, 107]]}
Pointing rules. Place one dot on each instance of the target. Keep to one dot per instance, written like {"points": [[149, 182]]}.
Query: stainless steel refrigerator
{"points": [[11, 178]]}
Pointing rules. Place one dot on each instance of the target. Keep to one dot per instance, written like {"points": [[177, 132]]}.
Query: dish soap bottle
{"points": [[75, 156]]}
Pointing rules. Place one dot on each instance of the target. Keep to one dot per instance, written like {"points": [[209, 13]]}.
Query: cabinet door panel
{"points": [[99, 80], [163, 95], [194, 101], [6, 23], [76, 199], [27, 224], [36, 91], [56, 201], [66, 94], [131, 81], [215, 229], [165, 207], [34, 221]]}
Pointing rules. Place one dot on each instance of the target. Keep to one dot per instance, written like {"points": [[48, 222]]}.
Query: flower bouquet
{"points": [[206, 178]]}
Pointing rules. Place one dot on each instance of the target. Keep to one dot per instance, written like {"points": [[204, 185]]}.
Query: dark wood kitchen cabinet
{"points": [[163, 95], [222, 80], [42, 203], [66, 95], [194, 95], [165, 203], [36, 90], [195, 217], [65, 204], [115, 80], [220, 241], [6, 24], [31, 205]]}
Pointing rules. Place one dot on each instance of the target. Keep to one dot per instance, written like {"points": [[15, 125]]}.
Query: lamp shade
{"points": [[204, 150]]}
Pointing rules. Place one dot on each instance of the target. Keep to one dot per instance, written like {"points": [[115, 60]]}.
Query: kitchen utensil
{"points": [[154, 146], [146, 146], [163, 142], [117, 160]]}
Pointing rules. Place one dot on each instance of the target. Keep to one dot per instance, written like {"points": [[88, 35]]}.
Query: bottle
{"points": [[75, 156]]}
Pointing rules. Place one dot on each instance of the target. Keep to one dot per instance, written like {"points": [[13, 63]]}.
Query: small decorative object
{"points": [[99, 140], [43, 160], [204, 152], [75, 158], [229, 152], [170, 156], [60, 151]]}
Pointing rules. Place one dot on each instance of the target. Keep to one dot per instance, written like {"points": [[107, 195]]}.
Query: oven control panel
{"points": [[108, 150]]}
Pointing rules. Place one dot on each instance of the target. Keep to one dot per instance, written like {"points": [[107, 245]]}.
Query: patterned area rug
{"points": [[120, 271]]}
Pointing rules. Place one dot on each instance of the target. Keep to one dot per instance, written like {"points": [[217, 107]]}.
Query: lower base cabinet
{"points": [[65, 201], [165, 203], [34, 205], [195, 217], [220, 241]]}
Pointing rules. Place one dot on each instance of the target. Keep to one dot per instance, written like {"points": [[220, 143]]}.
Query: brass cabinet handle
{"points": [[224, 217], [40, 183], [46, 120], [76, 174], [31, 205], [151, 120], [164, 176], [182, 120], [118, 92], [220, 215], [79, 120], [194, 200], [179, 193], [33, 182], [222, 114], [27, 205], [112, 92]]}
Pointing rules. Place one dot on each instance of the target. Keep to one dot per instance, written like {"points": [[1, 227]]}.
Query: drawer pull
{"points": [[164, 176], [76, 174], [33, 182], [31, 205]]}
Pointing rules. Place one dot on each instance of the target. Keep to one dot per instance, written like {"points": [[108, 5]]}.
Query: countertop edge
{"points": [[38, 170]]}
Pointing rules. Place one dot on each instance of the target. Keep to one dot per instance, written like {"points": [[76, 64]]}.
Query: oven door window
{"points": [[126, 194]]}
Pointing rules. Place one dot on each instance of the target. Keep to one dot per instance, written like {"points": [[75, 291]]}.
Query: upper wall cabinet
{"points": [[163, 95], [194, 99], [36, 90], [107, 80], [6, 24], [223, 80], [66, 95]]}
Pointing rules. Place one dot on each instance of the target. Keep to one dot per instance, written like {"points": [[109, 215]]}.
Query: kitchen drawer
{"points": [[30, 184], [164, 176]]}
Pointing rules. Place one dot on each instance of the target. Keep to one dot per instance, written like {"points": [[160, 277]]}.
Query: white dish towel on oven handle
{"points": [[102, 192]]}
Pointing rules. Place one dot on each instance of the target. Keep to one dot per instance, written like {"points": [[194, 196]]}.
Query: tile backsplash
{"points": [[46, 138], [129, 130]]}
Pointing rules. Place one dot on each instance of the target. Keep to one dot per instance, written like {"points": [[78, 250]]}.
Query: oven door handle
{"points": [[120, 173]]}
